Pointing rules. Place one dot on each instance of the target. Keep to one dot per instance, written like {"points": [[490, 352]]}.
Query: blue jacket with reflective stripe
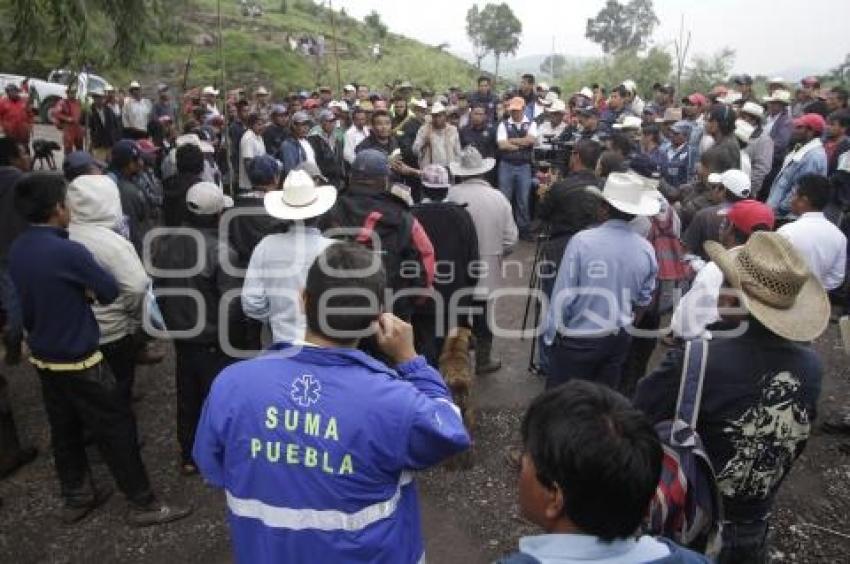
{"points": [[314, 446]]}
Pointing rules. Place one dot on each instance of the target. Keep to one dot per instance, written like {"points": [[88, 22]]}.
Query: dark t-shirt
{"points": [[704, 227]]}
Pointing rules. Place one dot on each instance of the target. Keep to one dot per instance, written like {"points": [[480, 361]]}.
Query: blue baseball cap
{"points": [[262, 170], [371, 163], [124, 152], [79, 161]]}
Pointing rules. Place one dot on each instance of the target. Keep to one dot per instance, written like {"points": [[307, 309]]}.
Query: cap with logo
{"points": [[734, 180]]}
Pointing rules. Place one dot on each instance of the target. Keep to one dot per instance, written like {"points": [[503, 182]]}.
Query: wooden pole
{"points": [[336, 50], [223, 75]]}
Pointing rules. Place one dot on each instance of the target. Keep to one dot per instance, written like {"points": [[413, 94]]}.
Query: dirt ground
{"points": [[470, 516]]}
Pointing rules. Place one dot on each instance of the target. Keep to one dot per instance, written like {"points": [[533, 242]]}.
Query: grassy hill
{"points": [[257, 51]]}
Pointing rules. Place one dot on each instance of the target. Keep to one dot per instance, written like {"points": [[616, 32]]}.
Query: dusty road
{"points": [[469, 516]]}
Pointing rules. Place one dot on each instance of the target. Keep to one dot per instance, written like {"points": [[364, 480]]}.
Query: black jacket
{"points": [[329, 160], [174, 198], [405, 139], [759, 401], [104, 132], [452, 233], [11, 223], [246, 231], [483, 139], [273, 136], [176, 252]]}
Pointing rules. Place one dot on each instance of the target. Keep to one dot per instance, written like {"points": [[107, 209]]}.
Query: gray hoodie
{"points": [[95, 207]]}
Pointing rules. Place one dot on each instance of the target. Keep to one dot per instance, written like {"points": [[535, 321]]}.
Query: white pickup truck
{"points": [[44, 94]]}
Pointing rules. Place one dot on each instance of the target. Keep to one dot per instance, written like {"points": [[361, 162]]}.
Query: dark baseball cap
{"points": [[743, 79], [263, 170], [79, 161], [371, 163], [589, 110], [125, 152]]}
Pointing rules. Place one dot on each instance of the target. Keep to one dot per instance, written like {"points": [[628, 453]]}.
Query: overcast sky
{"points": [[764, 33]]}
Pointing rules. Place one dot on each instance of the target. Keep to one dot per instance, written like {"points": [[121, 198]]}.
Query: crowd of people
{"points": [[312, 258]]}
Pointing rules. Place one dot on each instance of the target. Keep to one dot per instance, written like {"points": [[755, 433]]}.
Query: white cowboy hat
{"points": [[421, 104], [629, 122], [753, 109], [558, 106], [471, 163], [744, 130], [777, 287], [300, 198], [261, 91], [633, 194], [781, 96], [586, 92], [438, 108], [209, 91], [341, 104]]}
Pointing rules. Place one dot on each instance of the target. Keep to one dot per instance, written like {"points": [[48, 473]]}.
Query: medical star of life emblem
{"points": [[306, 390]]}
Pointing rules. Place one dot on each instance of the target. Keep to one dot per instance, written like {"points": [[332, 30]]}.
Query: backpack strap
{"points": [[690, 393]]}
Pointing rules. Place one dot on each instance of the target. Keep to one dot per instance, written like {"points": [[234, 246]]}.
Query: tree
{"points": [[841, 72], [554, 65], [501, 30], [38, 25], [475, 32], [373, 22], [705, 72], [619, 27], [655, 65]]}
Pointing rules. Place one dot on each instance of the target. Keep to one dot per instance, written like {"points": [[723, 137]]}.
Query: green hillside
{"points": [[257, 51]]}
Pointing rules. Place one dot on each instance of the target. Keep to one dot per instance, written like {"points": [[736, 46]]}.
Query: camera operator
{"points": [[590, 125], [554, 127]]}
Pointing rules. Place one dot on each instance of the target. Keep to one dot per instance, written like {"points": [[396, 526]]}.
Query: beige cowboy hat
{"points": [[300, 198], [471, 163], [632, 193], [777, 287], [781, 96]]}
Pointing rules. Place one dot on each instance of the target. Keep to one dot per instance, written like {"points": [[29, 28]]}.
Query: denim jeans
{"points": [[596, 359], [515, 184], [12, 307]]}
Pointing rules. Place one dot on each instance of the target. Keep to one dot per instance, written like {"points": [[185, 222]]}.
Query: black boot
{"points": [[484, 364]]}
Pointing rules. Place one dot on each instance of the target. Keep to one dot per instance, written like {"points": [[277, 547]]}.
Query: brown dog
{"points": [[458, 368]]}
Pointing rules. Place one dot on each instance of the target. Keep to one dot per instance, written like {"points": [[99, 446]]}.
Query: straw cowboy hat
{"points": [[631, 193], [300, 198], [471, 163], [777, 287]]}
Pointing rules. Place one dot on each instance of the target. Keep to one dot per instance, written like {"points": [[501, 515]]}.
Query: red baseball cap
{"points": [[747, 214], [696, 99], [815, 122], [311, 104], [146, 146]]}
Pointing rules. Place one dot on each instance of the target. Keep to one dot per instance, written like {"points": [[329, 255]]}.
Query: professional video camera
{"points": [[556, 151]]}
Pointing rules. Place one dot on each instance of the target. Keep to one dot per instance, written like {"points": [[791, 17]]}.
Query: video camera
{"points": [[556, 152]]}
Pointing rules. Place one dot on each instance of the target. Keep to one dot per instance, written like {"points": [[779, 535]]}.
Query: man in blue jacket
{"points": [[314, 443], [56, 280]]}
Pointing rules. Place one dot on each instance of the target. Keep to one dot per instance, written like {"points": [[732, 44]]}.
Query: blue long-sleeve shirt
{"points": [[808, 159], [604, 272], [52, 276], [314, 449]]}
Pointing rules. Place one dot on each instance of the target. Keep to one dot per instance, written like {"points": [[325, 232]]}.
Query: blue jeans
{"points": [[12, 307], [598, 359], [515, 184]]}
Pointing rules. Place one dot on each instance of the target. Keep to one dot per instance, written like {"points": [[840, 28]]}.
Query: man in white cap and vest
{"points": [[606, 278], [759, 147], [278, 269]]}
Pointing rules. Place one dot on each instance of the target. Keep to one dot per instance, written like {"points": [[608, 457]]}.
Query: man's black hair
{"points": [[622, 143], [611, 161], [10, 150], [380, 113], [622, 91], [816, 189], [716, 159], [190, 159], [251, 120], [653, 130], [841, 117], [614, 213], [345, 278], [600, 451], [724, 116], [37, 193], [484, 79], [741, 238], [841, 94], [358, 110], [477, 105], [529, 78], [556, 90], [242, 104], [588, 152]]}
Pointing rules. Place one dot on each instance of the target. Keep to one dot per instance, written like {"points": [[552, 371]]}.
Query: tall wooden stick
{"points": [[336, 50]]}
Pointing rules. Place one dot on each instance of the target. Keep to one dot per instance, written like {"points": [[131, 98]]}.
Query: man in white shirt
{"points": [[554, 126], [817, 239], [136, 113], [279, 264], [355, 135], [251, 145]]}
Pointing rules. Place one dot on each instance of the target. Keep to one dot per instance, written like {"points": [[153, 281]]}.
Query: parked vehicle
{"points": [[44, 94]]}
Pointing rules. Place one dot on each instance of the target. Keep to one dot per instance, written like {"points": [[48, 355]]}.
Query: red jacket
{"points": [[15, 118]]}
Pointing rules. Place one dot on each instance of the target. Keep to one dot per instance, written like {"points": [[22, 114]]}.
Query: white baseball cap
{"points": [[734, 180], [437, 108], [135, 84], [205, 198], [341, 104], [261, 91], [752, 109], [349, 88], [629, 122], [558, 106], [209, 91], [744, 130]]}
